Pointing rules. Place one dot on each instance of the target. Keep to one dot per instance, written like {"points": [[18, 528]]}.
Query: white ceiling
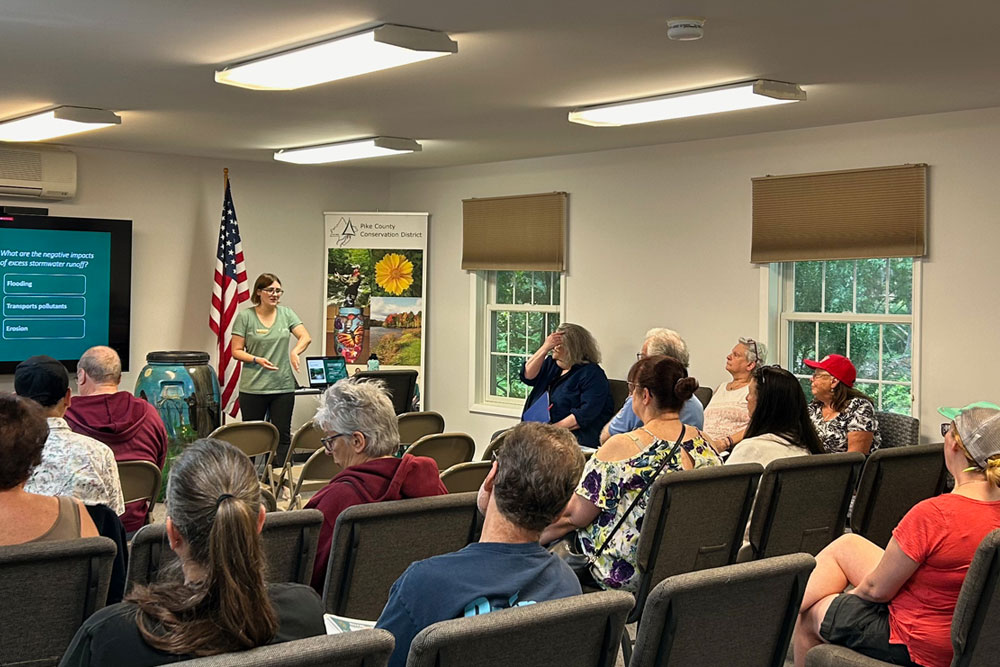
{"points": [[520, 67]]}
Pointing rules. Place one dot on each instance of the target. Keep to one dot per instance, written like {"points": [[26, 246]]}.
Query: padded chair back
{"points": [[802, 504], [977, 613], [319, 468], [695, 520], [445, 448], [415, 425], [704, 395], [759, 600], [892, 482], [374, 543], [465, 477], [50, 588], [898, 430], [619, 393], [361, 648], [253, 438], [582, 631], [289, 548]]}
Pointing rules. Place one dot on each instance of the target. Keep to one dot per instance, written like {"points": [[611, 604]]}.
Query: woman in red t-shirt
{"points": [[900, 608]]}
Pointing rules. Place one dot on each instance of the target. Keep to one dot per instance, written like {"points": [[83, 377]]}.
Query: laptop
{"points": [[324, 371]]}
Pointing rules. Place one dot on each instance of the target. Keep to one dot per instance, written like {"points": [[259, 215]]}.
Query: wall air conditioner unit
{"points": [[37, 173]]}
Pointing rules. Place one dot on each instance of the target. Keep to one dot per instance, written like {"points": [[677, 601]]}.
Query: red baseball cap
{"points": [[836, 365]]}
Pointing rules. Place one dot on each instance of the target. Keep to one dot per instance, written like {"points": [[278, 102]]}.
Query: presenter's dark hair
{"points": [[665, 378], [263, 281], [23, 431], [781, 409], [213, 499]]}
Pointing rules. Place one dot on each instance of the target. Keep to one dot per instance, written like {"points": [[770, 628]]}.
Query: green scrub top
{"points": [[270, 343]]}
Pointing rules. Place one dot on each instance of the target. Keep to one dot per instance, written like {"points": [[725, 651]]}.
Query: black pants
{"points": [[277, 409]]}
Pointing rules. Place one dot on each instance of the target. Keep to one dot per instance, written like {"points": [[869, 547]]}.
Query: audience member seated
{"points": [[779, 426], [726, 415], [130, 426], [626, 465], [72, 464], [29, 517], [843, 416], [901, 606], [579, 395], [533, 476], [658, 341], [362, 436], [219, 602]]}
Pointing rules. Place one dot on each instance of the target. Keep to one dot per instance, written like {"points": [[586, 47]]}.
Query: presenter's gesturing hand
{"points": [[265, 364], [294, 358]]}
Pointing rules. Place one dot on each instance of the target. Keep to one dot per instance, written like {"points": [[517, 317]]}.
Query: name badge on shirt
{"points": [[262, 332]]}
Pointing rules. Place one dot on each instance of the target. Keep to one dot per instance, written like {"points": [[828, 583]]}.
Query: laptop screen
{"points": [[324, 371]]}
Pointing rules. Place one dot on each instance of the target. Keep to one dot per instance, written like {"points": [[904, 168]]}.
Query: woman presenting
{"points": [[260, 341]]}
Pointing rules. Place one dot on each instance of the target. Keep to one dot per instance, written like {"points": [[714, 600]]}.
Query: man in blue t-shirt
{"points": [[670, 343], [535, 471]]}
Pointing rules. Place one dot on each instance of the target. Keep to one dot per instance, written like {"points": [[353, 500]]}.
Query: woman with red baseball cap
{"points": [[843, 416]]}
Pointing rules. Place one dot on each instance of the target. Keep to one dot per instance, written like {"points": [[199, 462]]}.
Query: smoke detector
{"points": [[685, 28]]}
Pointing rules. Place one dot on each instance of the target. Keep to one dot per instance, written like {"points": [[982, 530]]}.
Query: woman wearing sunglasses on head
{"points": [[260, 341]]}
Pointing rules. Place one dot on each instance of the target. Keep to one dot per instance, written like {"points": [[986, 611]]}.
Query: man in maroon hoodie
{"points": [[130, 426], [362, 436]]}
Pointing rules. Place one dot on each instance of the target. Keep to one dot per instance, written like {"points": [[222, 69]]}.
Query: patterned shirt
{"points": [[859, 415], [612, 486], [77, 466]]}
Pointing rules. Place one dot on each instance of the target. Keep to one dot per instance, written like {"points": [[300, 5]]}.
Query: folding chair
{"points": [[314, 474], [305, 440], [253, 438], [415, 425], [445, 448], [141, 480], [464, 477]]}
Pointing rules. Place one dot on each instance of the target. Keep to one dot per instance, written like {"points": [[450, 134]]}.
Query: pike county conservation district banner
{"points": [[375, 276]]}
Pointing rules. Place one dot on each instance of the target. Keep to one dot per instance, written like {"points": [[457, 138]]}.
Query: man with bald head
{"points": [[131, 427]]}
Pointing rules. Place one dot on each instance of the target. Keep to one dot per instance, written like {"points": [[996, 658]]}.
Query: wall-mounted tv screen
{"points": [[67, 286]]}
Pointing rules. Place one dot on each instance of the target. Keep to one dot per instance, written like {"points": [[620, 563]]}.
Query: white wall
{"points": [[660, 236], [175, 204]]}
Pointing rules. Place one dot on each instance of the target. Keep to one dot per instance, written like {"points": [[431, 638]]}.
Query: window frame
{"points": [[480, 399], [777, 290]]}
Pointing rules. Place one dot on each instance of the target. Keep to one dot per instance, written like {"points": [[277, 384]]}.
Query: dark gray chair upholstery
{"points": [[374, 543], [758, 602], [619, 393], [465, 477], [898, 430], [447, 449], [289, 546], [361, 648], [695, 519], [582, 631], [50, 589], [973, 627], [704, 395], [802, 504], [415, 425], [892, 482]]}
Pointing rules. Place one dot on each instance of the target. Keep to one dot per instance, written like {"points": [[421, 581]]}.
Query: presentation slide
{"points": [[56, 290], [65, 287]]}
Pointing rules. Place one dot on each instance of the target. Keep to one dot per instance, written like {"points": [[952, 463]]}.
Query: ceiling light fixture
{"points": [[57, 122], [371, 50], [355, 149], [746, 95]]}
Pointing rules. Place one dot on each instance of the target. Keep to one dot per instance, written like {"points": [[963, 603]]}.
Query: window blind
{"points": [[524, 232]]}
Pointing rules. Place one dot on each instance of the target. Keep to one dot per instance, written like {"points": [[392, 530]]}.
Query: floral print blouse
{"points": [[612, 486], [859, 415]]}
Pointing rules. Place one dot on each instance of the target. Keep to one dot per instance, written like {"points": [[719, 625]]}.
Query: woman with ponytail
{"points": [[621, 472], [219, 602], [904, 596]]}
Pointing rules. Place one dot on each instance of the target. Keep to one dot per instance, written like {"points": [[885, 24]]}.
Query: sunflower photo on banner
{"points": [[375, 273]]}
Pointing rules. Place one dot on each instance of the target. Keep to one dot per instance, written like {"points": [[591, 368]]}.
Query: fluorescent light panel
{"points": [[358, 149], [747, 95], [58, 122], [376, 49]]}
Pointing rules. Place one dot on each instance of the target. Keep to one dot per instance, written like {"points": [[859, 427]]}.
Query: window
{"points": [[516, 310], [862, 309]]}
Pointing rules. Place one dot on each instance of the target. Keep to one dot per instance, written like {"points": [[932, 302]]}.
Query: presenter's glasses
{"points": [[273, 291]]}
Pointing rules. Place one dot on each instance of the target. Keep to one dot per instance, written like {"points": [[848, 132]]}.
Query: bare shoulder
{"points": [[87, 527], [618, 447]]}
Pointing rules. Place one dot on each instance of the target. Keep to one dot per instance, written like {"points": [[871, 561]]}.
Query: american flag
{"points": [[229, 290]]}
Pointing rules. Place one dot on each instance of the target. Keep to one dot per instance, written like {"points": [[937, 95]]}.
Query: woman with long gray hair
{"points": [[221, 602]]}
